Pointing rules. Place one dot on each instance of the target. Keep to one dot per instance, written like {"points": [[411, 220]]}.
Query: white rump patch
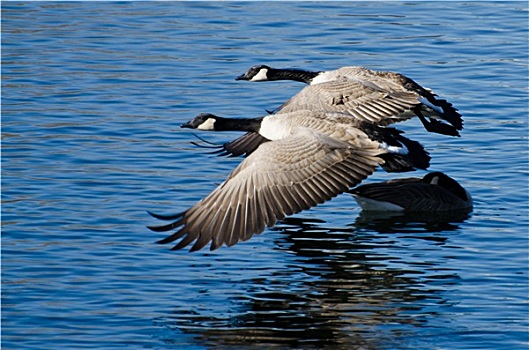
{"points": [[209, 124]]}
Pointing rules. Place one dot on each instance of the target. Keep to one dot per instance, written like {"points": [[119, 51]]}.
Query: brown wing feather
{"points": [[278, 179], [363, 101]]}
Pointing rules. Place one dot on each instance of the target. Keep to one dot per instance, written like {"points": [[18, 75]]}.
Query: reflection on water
{"points": [[93, 96], [354, 285], [411, 222]]}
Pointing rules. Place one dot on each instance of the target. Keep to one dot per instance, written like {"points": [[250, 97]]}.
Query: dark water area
{"points": [[93, 96]]}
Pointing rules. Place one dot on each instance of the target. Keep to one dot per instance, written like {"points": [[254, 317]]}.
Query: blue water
{"points": [[93, 94]]}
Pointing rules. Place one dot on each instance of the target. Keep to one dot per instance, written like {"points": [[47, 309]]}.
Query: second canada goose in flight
{"points": [[435, 192], [411, 155], [309, 158], [380, 97]]}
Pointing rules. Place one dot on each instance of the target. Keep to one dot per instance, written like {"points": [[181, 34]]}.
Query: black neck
{"points": [[303, 76], [238, 124]]}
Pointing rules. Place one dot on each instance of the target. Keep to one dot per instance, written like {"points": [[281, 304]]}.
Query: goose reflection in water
{"points": [[399, 222], [369, 285]]}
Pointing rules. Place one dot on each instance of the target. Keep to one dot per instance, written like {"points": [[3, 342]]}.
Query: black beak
{"points": [[186, 125], [242, 77]]}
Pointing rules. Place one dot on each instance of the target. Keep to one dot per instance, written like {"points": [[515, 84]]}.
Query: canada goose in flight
{"points": [[309, 158], [380, 97], [435, 192], [412, 153]]}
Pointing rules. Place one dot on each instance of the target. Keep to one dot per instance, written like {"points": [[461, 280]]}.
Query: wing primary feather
{"points": [[166, 217], [173, 237], [237, 226], [273, 212], [186, 241], [301, 195], [248, 225], [312, 195], [209, 226], [167, 227], [220, 238]]}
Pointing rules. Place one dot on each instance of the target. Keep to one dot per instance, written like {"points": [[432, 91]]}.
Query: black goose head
{"points": [[203, 121], [211, 122], [256, 73]]}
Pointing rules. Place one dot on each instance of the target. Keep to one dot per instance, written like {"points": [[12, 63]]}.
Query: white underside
{"points": [[373, 205]]}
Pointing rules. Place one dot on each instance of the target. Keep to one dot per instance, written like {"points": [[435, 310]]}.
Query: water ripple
{"points": [[92, 101]]}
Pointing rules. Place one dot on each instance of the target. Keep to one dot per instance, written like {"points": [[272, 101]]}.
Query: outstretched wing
{"points": [[363, 100], [280, 178], [381, 102]]}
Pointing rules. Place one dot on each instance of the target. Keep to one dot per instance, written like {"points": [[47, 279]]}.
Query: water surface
{"points": [[93, 94]]}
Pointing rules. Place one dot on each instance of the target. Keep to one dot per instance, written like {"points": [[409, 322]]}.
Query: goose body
{"points": [[380, 97], [306, 159], [435, 192]]}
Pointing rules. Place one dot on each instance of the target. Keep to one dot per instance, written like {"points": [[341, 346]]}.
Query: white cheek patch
{"points": [[209, 124], [261, 76]]}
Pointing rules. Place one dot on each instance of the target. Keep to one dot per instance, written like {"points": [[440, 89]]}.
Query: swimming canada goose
{"points": [[379, 97], [435, 192], [309, 158]]}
